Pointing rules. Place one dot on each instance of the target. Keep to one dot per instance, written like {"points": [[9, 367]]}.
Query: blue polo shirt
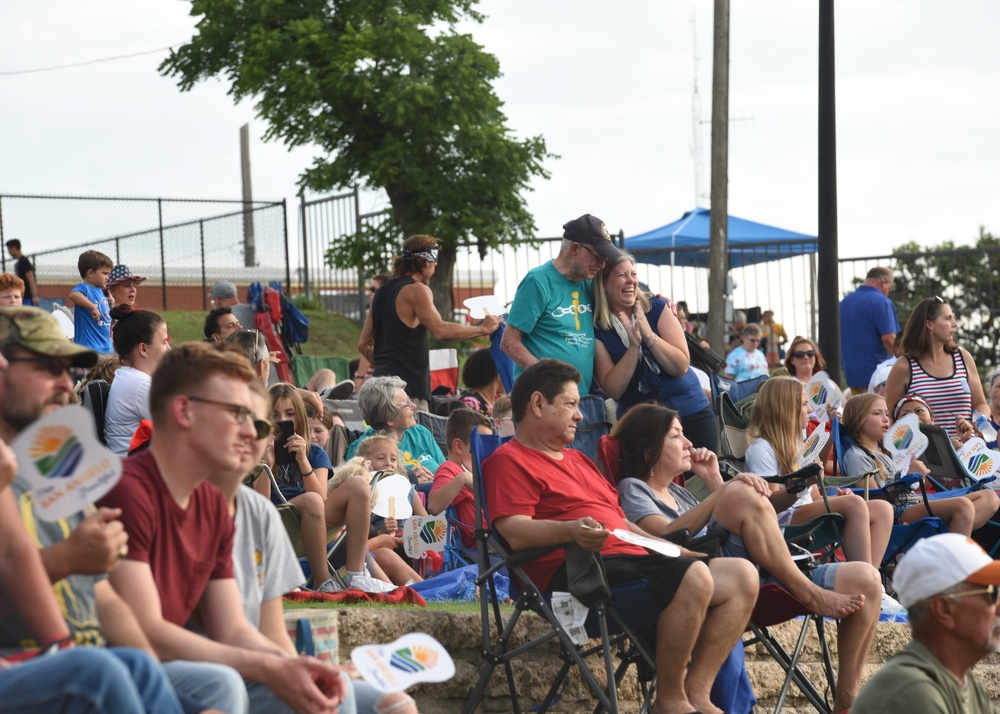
{"points": [[865, 315]]}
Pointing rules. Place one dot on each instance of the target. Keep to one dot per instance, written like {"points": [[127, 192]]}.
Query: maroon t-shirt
{"points": [[524, 482], [185, 548]]}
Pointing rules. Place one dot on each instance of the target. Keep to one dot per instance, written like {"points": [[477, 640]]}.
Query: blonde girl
{"points": [[776, 430]]}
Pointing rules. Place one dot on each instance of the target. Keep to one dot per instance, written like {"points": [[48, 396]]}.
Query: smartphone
{"points": [[283, 430]]}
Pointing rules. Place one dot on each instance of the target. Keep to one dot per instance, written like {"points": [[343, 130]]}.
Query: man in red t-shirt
{"points": [[179, 558], [453, 478], [539, 493]]}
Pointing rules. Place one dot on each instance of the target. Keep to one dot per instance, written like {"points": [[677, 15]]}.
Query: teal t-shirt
{"points": [[556, 317]]}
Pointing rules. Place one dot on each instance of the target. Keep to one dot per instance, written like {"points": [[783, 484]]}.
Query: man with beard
{"points": [[551, 315], [37, 382], [949, 586]]}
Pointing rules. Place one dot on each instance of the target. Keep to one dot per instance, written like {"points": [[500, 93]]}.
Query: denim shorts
{"points": [[822, 575]]}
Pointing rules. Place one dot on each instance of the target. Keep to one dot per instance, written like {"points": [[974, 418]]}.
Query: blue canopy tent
{"points": [[684, 243]]}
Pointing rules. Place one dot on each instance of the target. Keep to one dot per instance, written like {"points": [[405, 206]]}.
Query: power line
{"points": [[87, 62]]}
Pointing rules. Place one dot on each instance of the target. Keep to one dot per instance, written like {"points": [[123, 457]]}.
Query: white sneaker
{"points": [[890, 606], [368, 584], [329, 586]]}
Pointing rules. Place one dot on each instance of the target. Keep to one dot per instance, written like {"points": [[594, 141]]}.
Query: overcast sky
{"points": [[609, 85]]}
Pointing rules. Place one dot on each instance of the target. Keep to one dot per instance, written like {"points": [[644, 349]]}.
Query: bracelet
{"points": [[653, 337], [311, 472]]}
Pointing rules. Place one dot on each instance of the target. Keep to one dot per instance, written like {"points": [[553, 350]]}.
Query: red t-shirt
{"points": [[185, 548], [524, 482], [464, 503]]}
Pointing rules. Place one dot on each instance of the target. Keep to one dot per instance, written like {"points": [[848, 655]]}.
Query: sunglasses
{"points": [[991, 592], [262, 427], [802, 354], [56, 366]]}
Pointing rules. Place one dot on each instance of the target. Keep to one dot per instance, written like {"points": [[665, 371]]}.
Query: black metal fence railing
{"points": [[182, 246], [761, 277]]}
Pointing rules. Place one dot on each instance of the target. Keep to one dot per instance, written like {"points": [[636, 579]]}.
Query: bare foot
{"points": [[828, 603], [674, 706], [705, 707]]}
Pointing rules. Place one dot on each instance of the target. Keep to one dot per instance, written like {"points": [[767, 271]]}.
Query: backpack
{"points": [[294, 325]]}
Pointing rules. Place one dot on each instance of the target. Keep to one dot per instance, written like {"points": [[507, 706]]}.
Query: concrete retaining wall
{"points": [[461, 634]]}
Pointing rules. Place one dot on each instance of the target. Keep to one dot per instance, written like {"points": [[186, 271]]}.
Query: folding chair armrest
{"points": [[523, 556], [710, 543], [798, 480], [964, 491], [680, 537]]}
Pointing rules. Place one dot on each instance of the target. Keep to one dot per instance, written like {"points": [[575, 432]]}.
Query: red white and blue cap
{"points": [[121, 273]]}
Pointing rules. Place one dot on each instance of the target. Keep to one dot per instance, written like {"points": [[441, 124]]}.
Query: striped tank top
{"points": [[948, 397]]}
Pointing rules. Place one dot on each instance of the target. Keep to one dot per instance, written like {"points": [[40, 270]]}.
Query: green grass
{"points": [[330, 335]]}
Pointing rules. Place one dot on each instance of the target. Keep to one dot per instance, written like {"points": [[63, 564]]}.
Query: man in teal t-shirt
{"points": [[551, 315]]}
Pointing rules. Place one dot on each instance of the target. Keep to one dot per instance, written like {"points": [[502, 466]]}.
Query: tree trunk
{"points": [[411, 224], [441, 281]]}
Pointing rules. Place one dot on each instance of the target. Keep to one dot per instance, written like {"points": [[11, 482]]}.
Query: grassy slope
{"points": [[329, 335]]}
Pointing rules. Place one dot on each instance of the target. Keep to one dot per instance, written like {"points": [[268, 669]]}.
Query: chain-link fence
{"points": [[182, 246]]}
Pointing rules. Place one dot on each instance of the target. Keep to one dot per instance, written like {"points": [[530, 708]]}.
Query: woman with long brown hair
{"points": [[936, 368]]}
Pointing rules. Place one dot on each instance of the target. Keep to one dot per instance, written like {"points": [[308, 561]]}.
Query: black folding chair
{"points": [[605, 621]]}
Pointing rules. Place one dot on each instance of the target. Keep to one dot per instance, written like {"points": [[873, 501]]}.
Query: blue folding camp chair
{"points": [[605, 621], [456, 555], [903, 535], [737, 391]]}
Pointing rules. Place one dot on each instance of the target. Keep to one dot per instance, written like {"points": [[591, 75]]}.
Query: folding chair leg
{"points": [[831, 678], [790, 664]]}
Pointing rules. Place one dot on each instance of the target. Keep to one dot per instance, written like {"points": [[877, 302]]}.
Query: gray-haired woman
{"points": [[385, 406]]}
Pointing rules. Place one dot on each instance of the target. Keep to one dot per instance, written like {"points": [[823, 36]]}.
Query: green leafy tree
{"points": [[968, 278], [395, 98]]}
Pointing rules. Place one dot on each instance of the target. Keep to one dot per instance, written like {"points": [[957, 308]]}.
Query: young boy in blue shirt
{"points": [[91, 312]]}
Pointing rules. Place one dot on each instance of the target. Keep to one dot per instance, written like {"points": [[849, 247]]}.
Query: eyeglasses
{"points": [[991, 592], [802, 354], [408, 403], [56, 366], [263, 427], [597, 256]]}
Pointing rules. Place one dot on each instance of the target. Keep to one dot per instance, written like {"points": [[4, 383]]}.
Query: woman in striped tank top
{"points": [[936, 368]]}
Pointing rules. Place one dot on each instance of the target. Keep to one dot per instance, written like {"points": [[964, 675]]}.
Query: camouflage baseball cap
{"points": [[34, 329]]}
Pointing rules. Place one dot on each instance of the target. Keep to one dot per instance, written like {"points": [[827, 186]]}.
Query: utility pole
{"points": [[249, 244], [829, 265], [718, 244]]}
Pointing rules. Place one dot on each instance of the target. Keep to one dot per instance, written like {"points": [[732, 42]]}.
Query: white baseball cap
{"points": [[939, 563]]}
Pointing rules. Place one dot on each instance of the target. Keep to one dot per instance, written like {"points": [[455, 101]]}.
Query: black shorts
{"points": [[663, 574]]}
